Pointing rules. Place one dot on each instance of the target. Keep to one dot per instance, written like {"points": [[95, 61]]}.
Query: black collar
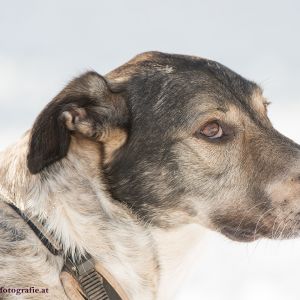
{"points": [[37, 232], [92, 283]]}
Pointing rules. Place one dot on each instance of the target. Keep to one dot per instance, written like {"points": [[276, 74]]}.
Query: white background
{"points": [[45, 43]]}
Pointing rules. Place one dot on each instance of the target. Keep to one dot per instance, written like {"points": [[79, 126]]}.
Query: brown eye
{"points": [[212, 130]]}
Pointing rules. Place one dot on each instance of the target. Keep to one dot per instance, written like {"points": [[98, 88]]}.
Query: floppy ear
{"points": [[86, 105]]}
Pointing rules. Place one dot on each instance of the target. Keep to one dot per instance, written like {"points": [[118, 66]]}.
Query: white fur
{"points": [[177, 250]]}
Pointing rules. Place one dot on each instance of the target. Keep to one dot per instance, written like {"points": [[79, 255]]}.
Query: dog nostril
{"points": [[284, 203]]}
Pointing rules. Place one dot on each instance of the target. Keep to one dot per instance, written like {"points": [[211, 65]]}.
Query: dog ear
{"points": [[86, 105]]}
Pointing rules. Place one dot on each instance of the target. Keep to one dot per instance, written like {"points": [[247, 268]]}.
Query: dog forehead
{"points": [[177, 65], [182, 80]]}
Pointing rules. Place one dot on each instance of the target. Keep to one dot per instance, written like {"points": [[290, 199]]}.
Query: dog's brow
{"points": [[222, 109], [258, 101], [213, 109]]}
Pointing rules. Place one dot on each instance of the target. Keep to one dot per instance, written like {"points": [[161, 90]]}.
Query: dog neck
{"points": [[71, 199], [178, 251]]}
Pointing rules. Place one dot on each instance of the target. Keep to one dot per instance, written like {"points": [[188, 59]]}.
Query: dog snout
{"points": [[285, 191], [284, 195]]}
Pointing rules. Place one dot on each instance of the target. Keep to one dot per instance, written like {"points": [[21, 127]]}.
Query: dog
{"points": [[134, 166]]}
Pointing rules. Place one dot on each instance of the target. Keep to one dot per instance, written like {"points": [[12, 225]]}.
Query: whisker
{"points": [[253, 207], [256, 226]]}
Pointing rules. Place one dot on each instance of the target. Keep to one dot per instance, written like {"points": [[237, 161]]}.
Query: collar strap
{"points": [[93, 284], [36, 227]]}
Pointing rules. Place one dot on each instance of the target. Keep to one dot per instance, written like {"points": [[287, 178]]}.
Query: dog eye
{"points": [[212, 130]]}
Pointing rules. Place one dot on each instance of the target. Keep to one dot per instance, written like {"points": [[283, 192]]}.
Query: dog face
{"points": [[201, 149]]}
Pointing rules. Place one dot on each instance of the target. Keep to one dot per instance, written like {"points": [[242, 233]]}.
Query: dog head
{"points": [[199, 145], [202, 149]]}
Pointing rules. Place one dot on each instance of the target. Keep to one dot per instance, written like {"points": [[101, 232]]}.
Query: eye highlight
{"points": [[211, 130]]}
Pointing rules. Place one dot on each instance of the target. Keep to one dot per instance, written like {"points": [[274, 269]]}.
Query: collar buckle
{"points": [[90, 281]]}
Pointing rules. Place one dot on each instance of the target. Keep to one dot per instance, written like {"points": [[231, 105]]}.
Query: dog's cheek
{"points": [[114, 141]]}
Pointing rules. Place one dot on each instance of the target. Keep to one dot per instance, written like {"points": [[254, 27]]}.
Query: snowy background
{"points": [[45, 43]]}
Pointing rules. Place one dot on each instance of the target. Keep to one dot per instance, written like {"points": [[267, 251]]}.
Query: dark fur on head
{"points": [[170, 175]]}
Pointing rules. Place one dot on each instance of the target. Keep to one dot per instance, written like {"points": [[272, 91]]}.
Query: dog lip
{"points": [[240, 235]]}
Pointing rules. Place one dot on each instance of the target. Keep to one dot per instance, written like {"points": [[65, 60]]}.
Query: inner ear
{"points": [[77, 120]]}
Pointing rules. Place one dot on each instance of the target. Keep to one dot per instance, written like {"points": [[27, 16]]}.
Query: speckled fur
{"points": [[69, 195], [77, 208], [82, 216]]}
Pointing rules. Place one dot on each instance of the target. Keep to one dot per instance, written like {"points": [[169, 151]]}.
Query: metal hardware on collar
{"points": [[93, 284]]}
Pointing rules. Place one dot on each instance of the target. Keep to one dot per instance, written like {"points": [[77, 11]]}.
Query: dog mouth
{"points": [[240, 234], [249, 231]]}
